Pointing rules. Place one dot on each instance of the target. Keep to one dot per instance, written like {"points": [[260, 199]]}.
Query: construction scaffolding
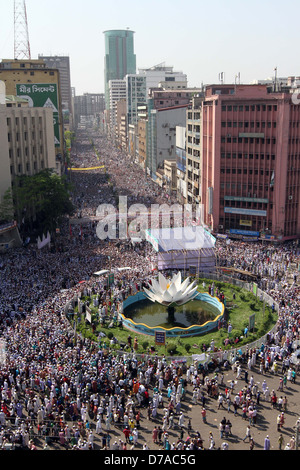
{"points": [[187, 248]]}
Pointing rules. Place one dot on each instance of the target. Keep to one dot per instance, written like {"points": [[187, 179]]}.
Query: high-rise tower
{"points": [[120, 59], [21, 41]]}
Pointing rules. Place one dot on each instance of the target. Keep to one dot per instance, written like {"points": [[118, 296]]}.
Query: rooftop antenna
{"points": [[221, 78], [237, 78], [21, 42], [275, 83]]}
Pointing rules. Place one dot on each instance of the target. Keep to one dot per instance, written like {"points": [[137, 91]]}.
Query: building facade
{"points": [[164, 77], [26, 143], [62, 64], [250, 172], [88, 105], [120, 59], [117, 92], [136, 95], [193, 150], [40, 85], [161, 136], [181, 164]]}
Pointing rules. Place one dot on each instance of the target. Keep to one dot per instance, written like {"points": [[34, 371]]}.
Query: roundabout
{"points": [[173, 307], [219, 313]]}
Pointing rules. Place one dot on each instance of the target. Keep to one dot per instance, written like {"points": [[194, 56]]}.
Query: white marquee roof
{"points": [[180, 238]]}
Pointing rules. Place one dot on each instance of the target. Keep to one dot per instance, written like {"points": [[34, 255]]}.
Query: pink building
{"points": [[250, 179]]}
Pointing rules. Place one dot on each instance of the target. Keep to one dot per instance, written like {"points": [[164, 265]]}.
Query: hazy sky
{"points": [[199, 38]]}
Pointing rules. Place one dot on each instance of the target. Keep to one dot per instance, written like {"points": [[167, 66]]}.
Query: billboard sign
{"points": [[238, 210], [42, 95]]}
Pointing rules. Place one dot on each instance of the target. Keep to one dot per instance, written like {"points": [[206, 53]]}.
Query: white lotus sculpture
{"points": [[170, 293]]}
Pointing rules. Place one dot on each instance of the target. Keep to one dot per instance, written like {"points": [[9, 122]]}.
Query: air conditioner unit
{"points": [[221, 226], [290, 198]]}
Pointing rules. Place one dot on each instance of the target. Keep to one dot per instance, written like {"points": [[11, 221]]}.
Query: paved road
{"points": [[266, 423]]}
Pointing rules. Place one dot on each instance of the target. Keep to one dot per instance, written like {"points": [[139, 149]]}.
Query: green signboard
{"points": [[252, 322], [42, 95], [110, 279], [254, 288]]}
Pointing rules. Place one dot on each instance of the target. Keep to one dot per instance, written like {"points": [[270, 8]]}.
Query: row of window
{"points": [[252, 107], [248, 189], [245, 171], [25, 121], [252, 124], [27, 166], [247, 140], [26, 151], [17, 136], [246, 204], [247, 156], [234, 222]]}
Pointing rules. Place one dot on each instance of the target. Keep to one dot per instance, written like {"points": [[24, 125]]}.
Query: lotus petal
{"points": [[185, 284], [172, 290], [167, 297], [150, 295], [162, 282], [156, 287], [176, 281], [178, 296], [189, 288]]}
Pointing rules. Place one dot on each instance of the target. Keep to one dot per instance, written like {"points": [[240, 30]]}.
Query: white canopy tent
{"points": [[188, 248]]}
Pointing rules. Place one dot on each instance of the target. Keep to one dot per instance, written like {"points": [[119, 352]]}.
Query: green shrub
{"points": [[172, 348]]}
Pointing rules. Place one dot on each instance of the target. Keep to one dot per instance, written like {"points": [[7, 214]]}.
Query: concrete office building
{"points": [[136, 95], [193, 149], [88, 106], [181, 164], [250, 172], [26, 141], [117, 92], [164, 77], [142, 136], [165, 100], [41, 87], [120, 59], [161, 136], [62, 64]]}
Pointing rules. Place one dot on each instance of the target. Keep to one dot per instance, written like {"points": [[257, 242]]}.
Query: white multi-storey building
{"points": [[163, 76], [117, 92], [136, 96]]}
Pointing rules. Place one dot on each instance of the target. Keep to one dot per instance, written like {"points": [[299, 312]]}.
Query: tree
{"points": [[7, 207], [44, 198]]}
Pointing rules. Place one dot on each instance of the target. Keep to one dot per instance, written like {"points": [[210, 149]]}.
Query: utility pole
{"points": [[21, 35]]}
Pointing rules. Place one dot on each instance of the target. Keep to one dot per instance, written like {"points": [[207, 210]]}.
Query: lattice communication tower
{"points": [[22, 45]]}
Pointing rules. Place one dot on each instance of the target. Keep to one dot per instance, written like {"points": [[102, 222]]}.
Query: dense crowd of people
{"points": [[58, 387]]}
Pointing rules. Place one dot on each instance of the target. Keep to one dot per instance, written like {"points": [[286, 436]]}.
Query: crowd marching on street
{"points": [[59, 393]]}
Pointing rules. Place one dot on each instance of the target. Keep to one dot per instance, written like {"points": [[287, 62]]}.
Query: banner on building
{"points": [[246, 223], [42, 95]]}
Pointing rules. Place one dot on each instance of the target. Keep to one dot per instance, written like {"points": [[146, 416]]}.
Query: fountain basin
{"points": [[140, 315]]}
